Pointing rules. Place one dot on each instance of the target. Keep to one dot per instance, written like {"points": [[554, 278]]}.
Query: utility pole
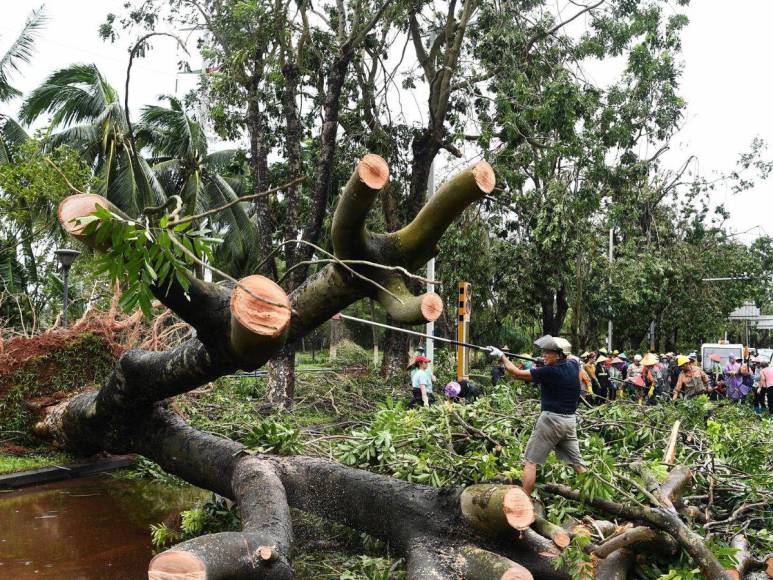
{"points": [[611, 261], [430, 348]]}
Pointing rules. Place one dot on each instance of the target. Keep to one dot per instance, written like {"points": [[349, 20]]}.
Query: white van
{"points": [[723, 350]]}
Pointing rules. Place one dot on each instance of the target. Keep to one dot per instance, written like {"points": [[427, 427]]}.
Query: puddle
{"points": [[93, 528]]}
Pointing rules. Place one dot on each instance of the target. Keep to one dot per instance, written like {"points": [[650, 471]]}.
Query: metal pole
{"points": [[430, 345], [611, 260], [65, 297]]}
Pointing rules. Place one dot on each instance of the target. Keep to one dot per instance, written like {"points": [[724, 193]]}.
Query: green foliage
{"points": [[142, 256], [349, 353], [30, 190], [369, 568], [215, 514], [144, 468], [273, 436], [20, 52], [162, 535], [575, 560]]}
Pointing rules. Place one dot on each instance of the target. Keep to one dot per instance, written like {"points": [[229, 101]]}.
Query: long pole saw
{"points": [[439, 338]]}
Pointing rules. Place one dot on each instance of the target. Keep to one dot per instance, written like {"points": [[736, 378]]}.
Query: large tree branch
{"points": [[417, 241]]}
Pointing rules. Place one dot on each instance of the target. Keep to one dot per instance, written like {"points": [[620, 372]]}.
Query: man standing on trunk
{"points": [[556, 428]]}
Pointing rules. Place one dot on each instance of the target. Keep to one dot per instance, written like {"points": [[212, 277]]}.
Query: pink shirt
{"points": [[767, 376]]}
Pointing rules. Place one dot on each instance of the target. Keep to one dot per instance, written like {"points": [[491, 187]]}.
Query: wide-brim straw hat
{"points": [[649, 359]]}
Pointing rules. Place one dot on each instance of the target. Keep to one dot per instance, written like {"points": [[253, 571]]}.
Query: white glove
{"points": [[494, 352]]}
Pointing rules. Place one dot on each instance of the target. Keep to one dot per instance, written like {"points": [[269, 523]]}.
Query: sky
{"points": [[727, 82]]}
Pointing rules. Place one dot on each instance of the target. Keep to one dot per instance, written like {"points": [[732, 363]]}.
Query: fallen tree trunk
{"points": [[481, 532]]}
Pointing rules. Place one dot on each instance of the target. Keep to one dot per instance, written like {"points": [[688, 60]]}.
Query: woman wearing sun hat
{"points": [[651, 376]]}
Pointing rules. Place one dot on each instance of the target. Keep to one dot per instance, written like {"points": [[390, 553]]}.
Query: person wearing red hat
{"points": [[421, 383]]}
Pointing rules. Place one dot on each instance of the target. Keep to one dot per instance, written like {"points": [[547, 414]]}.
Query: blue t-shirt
{"points": [[559, 386], [422, 377]]}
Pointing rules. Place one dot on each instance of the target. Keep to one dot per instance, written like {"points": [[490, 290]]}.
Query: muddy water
{"points": [[95, 528]]}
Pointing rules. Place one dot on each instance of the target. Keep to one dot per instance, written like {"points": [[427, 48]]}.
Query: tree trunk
{"points": [[281, 378], [256, 127], [396, 352], [281, 370]]}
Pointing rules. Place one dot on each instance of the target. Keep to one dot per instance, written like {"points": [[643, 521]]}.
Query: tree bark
{"points": [[256, 127], [281, 378]]}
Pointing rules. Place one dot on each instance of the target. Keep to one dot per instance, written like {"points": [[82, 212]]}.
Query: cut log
{"points": [[616, 566], [481, 564], [484, 176], [557, 534], [742, 555], [348, 233], [220, 556], [173, 565], [409, 309], [79, 206], [670, 455], [496, 509], [431, 306], [265, 553], [258, 323]]}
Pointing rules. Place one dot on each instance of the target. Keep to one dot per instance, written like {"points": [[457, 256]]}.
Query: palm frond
{"points": [[12, 136], [75, 94], [238, 231], [20, 51]]}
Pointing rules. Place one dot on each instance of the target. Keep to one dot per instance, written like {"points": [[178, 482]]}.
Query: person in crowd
{"points": [[556, 427], [497, 373], [665, 375], [421, 383], [652, 377], [692, 380], [733, 379], [589, 364], [469, 390], [759, 391], [624, 366], [766, 385], [673, 369], [452, 390], [634, 380], [616, 378], [586, 385], [716, 378], [605, 389], [747, 381]]}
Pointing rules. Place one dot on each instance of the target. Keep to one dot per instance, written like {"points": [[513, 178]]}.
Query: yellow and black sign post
{"points": [[463, 330]]}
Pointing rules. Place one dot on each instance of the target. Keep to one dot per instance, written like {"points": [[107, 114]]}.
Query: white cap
{"points": [[637, 358]]}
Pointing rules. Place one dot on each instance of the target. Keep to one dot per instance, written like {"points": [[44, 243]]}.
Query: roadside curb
{"points": [[62, 472]]}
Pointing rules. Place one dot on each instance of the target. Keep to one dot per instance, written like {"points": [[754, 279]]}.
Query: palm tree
{"points": [[19, 52], [184, 167], [87, 111]]}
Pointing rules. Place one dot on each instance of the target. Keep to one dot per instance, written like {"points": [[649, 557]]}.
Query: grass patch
{"points": [[15, 463]]}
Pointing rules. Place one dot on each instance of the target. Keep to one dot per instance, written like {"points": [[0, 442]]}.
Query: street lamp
{"points": [[66, 257]]}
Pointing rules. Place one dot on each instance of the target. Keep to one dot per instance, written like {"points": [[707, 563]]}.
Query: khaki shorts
{"points": [[554, 431]]}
